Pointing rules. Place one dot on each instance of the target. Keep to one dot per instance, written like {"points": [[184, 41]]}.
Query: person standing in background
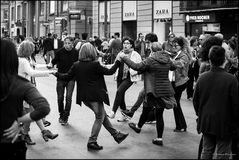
{"points": [[48, 48], [140, 45]]}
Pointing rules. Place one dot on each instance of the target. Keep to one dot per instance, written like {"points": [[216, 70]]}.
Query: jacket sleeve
{"points": [[41, 106], [56, 58], [137, 59], [67, 76], [196, 98], [181, 62], [32, 72], [108, 71], [137, 66]]}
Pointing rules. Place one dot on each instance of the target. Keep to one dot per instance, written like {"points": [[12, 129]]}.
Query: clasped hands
{"points": [[120, 56]]}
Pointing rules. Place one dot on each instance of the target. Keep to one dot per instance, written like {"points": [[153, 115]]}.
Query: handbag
{"points": [[169, 101]]}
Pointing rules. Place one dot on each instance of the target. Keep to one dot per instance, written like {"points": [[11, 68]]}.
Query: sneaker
{"points": [[47, 134], [150, 122], [28, 140], [119, 137], [46, 123], [111, 115], [127, 113], [157, 142], [134, 127], [94, 146], [122, 119]]}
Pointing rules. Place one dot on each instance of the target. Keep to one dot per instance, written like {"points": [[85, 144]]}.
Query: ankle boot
{"points": [[119, 137], [47, 134]]}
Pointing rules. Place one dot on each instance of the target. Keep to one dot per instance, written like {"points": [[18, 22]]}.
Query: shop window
{"points": [[52, 7], [64, 6]]}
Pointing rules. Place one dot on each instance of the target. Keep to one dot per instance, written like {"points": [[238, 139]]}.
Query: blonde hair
{"points": [[25, 49], [87, 52]]}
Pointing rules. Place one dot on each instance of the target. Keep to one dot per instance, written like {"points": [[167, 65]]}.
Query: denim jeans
{"points": [[178, 113], [122, 87], [100, 118], [210, 142], [60, 89]]}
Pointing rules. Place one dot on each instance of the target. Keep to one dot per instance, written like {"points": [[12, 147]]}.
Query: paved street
{"points": [[72, 140]]}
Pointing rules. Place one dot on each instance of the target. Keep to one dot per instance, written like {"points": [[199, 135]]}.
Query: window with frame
{"points": [[5, 14], [19, 12], [64, 5], [52, 7], [42, 8]]}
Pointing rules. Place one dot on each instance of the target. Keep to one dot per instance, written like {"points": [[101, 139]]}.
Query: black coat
{"points": [[90, 80], [216, 104]]}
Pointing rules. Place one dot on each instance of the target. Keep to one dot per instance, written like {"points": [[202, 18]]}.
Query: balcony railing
{"points": [[207, 4]]}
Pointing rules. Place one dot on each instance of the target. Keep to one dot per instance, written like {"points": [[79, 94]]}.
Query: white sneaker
{"points": [[122, 119], [111, 115]]}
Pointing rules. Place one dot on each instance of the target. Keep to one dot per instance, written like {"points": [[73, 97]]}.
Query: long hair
{"points": [[9, 66]]}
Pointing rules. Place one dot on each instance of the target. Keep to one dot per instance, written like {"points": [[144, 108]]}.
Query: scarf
{"points": [[126, 67]]}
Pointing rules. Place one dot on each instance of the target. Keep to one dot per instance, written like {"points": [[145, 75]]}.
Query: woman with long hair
{"points": [[14, 90], [181, 60]]}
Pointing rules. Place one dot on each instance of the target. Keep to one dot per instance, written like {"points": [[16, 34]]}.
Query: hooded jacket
{"points": [[155, 69]]}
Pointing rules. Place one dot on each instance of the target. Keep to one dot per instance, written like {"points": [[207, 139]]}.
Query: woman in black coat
{"points": [[92, 91]]}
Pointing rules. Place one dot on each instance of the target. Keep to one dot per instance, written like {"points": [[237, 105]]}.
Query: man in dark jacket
{"points": [[216, 105], [64, 59], [48, 48]]}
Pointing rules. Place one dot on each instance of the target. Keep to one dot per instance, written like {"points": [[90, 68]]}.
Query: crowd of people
{"points": [[206, 67]]}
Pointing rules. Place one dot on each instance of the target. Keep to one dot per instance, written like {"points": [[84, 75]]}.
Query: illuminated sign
{"points": [[162, 9], [200, 18], [129, 10]]}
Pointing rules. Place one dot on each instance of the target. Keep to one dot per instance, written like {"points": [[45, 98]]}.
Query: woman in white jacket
{"points": [[125, 77], [26, 70]]}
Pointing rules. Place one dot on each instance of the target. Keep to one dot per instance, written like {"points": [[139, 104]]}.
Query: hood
{"points": [[161, 57]]}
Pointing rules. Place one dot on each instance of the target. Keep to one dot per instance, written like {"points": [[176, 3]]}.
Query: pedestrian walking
{"points": [[48, 48], [157, 86], [92, 91], [216, 106], [64, 59], [193, 70], [115, 46], [125, 77], [15, 90]]}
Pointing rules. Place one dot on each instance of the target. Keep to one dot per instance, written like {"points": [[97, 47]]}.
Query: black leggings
{"points": [[159, 109]]}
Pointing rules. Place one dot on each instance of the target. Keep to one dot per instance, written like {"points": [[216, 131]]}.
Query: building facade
{"points": [[37, 18], [4, 18], [132, 17], [210, 17]]}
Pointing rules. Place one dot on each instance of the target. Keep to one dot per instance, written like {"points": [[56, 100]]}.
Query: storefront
{"points": [[129, 19], [162, 18], [221, 21]]}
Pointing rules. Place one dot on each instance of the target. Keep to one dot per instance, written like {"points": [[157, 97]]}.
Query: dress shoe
{"points": [[180, 130], [28, 140], [133, 126], [120, 137], [157, 142], [94, 146], [46, 134], [111, 115], [127, 113]]}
